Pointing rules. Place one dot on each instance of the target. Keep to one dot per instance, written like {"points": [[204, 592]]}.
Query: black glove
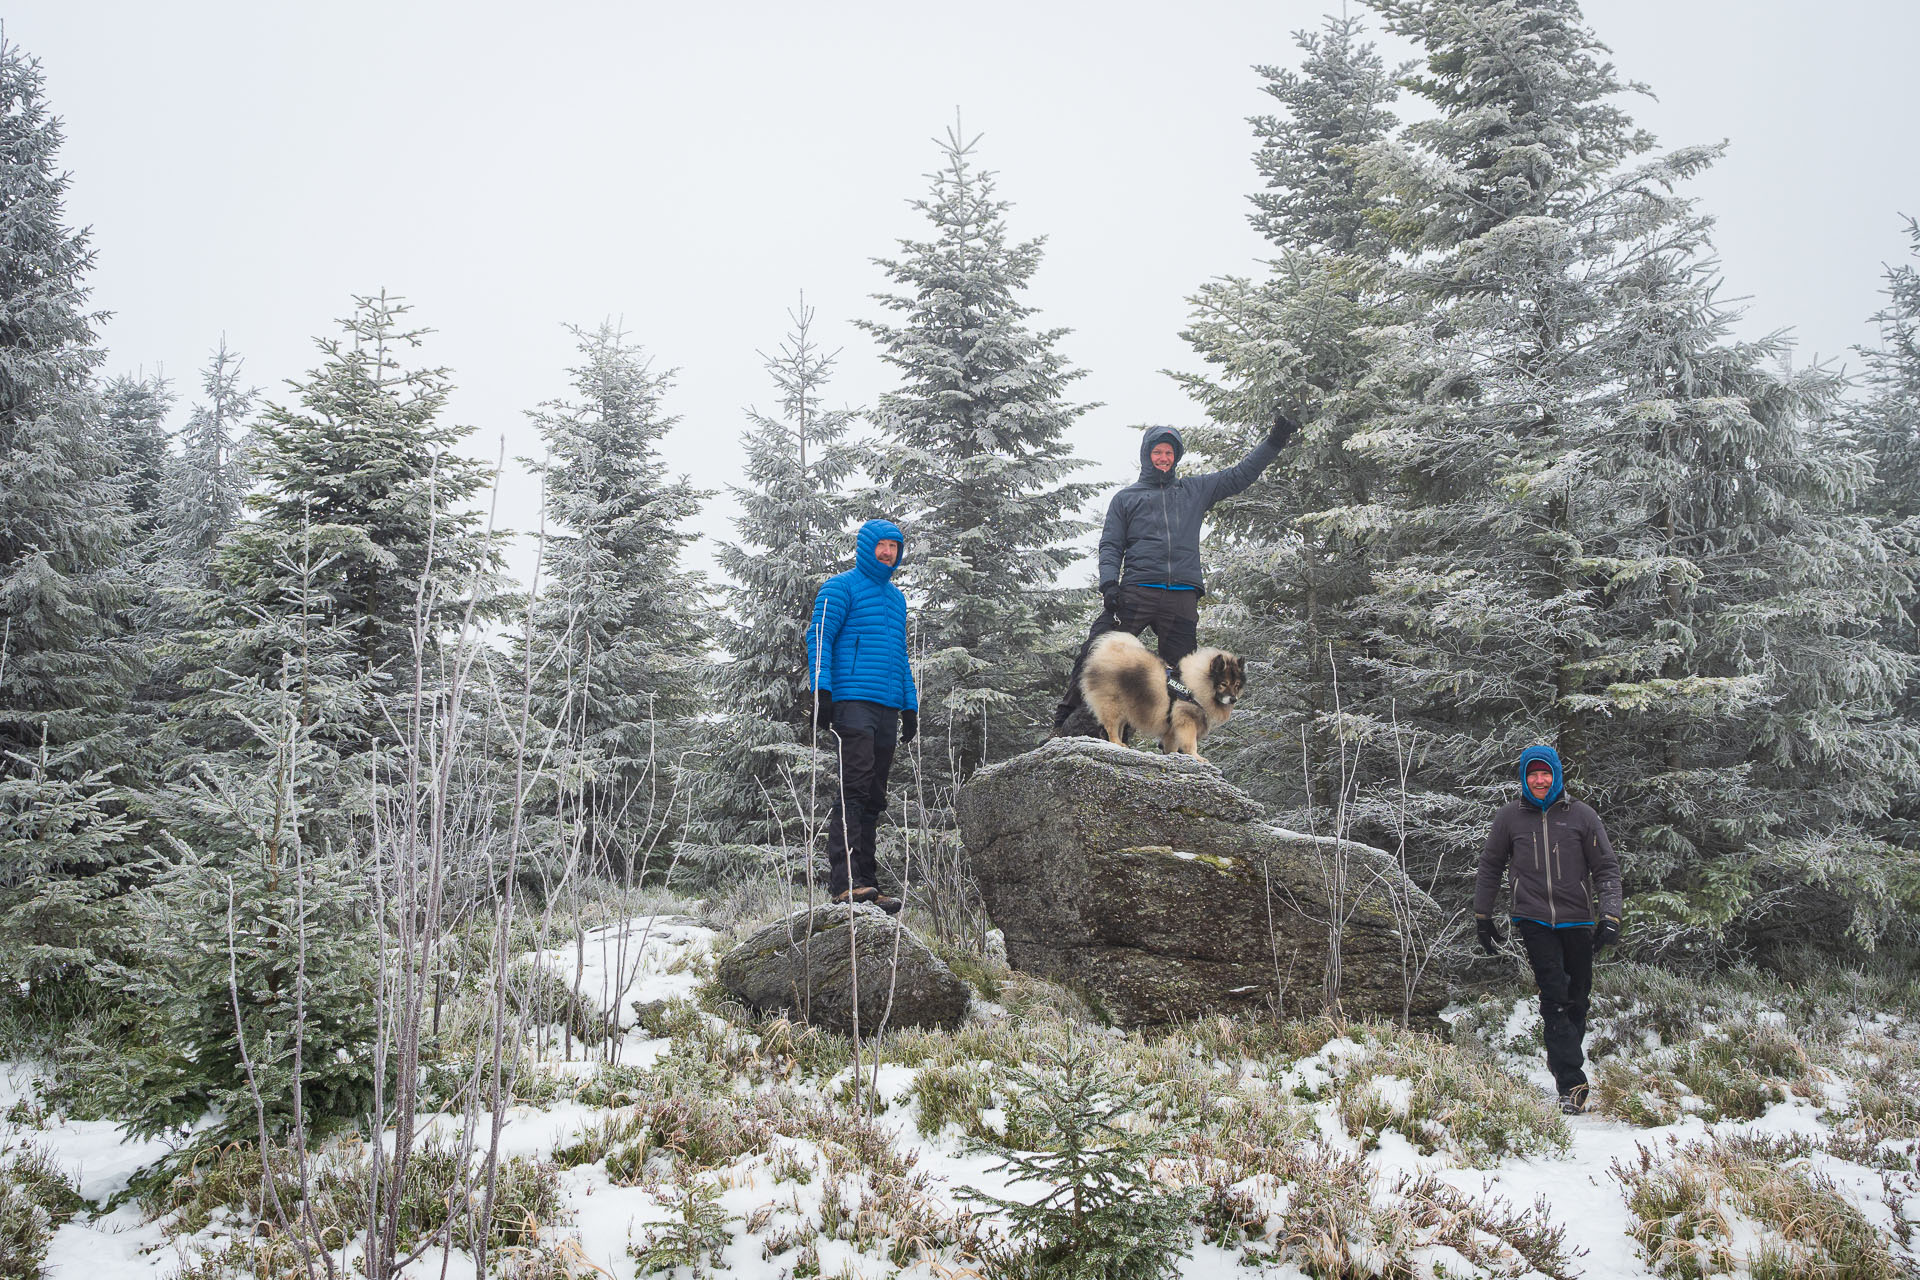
{"points": [[909, 726], [1489, 934], [823, 710], [1606, 933], [1110, 597], [1284, 426]]}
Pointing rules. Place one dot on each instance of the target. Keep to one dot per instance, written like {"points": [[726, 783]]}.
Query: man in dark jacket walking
{"points": [[863, 690], [1150, 575], [1560, 860]]}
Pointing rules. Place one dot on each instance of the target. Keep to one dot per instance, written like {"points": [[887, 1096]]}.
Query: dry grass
{"points": [[1445, 1100], [1714, 1206], [36, 1198]]}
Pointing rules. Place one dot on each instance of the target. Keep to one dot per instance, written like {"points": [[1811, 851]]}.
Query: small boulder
{"points": [[803, 966]]}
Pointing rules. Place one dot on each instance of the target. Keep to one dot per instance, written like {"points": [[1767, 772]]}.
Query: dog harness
{"points": [[1177, 692]]}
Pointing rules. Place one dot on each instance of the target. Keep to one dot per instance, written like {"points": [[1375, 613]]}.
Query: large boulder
{"points": [[803, 966], [1157, 889]]}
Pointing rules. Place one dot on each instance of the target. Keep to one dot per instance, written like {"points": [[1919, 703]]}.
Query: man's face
{"points": [[887, 551], [1539, 781], [1162, 456]]}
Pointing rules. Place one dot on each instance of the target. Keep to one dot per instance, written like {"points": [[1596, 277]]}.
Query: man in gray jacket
{"points": [[1560, 861], [1150, 575]]}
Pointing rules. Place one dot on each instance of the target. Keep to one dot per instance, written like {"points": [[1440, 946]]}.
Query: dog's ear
{"points": [[1220, 667], [1236, 668]]}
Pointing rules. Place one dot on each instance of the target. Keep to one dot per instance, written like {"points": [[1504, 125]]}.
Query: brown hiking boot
{"points": [[887, 904]]}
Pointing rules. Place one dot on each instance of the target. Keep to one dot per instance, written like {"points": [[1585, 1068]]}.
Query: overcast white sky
{"points": [[689, 169]]}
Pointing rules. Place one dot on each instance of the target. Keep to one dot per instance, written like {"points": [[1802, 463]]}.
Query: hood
{"points": [[872, 533], [1552, 757], [1152, 437]]}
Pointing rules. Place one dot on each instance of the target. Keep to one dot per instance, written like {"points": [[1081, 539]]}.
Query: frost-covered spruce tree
{"points": [[1283, 574], [134, 411], [1888, 426], [65, 661], [622, 622], [972, 459], [246, 962], [1103, 1214], [791, 536], [361, 475], [1607, 515], [208, 481], [67, 850]]}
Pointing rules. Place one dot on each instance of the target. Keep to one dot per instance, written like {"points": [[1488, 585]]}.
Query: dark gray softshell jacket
{"points": [[1553, 854], [1152, 534]]}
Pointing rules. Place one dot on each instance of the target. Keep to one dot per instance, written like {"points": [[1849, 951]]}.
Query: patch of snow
{"points": [[619, 965], [1395, 1091], [115, 1246]]}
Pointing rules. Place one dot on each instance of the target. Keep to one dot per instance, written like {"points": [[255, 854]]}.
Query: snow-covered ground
{"points": [[777, 1195]]}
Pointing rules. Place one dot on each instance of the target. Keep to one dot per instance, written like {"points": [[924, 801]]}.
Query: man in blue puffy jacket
{"points": [[1150, 575], [862, 690]]}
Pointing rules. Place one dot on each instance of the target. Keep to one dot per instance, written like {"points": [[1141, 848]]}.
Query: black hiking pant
{"points": [[867, 734], [1172, 616], [1562, 962]]}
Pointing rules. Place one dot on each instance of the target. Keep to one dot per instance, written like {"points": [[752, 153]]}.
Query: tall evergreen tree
{"points": [[972, 461], [365, 468], [208, 481], [792, 535], [1607, 515], [1888, 426], [134, 410], [65, 661], [624, 622], [1285, 578]]}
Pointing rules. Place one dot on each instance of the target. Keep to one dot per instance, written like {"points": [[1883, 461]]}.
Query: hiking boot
{"points": [[1574, 1101], [886, 903]]}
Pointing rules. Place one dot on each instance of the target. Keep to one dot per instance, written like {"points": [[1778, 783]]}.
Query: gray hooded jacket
{"points": [[1152, 534], [1556, 850]]}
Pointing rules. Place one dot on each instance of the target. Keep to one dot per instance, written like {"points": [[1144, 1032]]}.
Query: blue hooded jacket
{"points": [[857, 641], [1552, 757]]}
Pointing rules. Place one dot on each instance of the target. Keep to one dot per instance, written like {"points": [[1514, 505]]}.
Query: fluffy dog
{"points": [[1125, 686]]}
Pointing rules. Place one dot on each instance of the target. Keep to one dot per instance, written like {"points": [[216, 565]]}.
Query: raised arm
{"points": [[1216, 485]]}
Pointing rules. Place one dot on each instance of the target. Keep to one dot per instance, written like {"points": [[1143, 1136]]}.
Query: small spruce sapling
{"points": [[1104, 1216], [692, 1238]]}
